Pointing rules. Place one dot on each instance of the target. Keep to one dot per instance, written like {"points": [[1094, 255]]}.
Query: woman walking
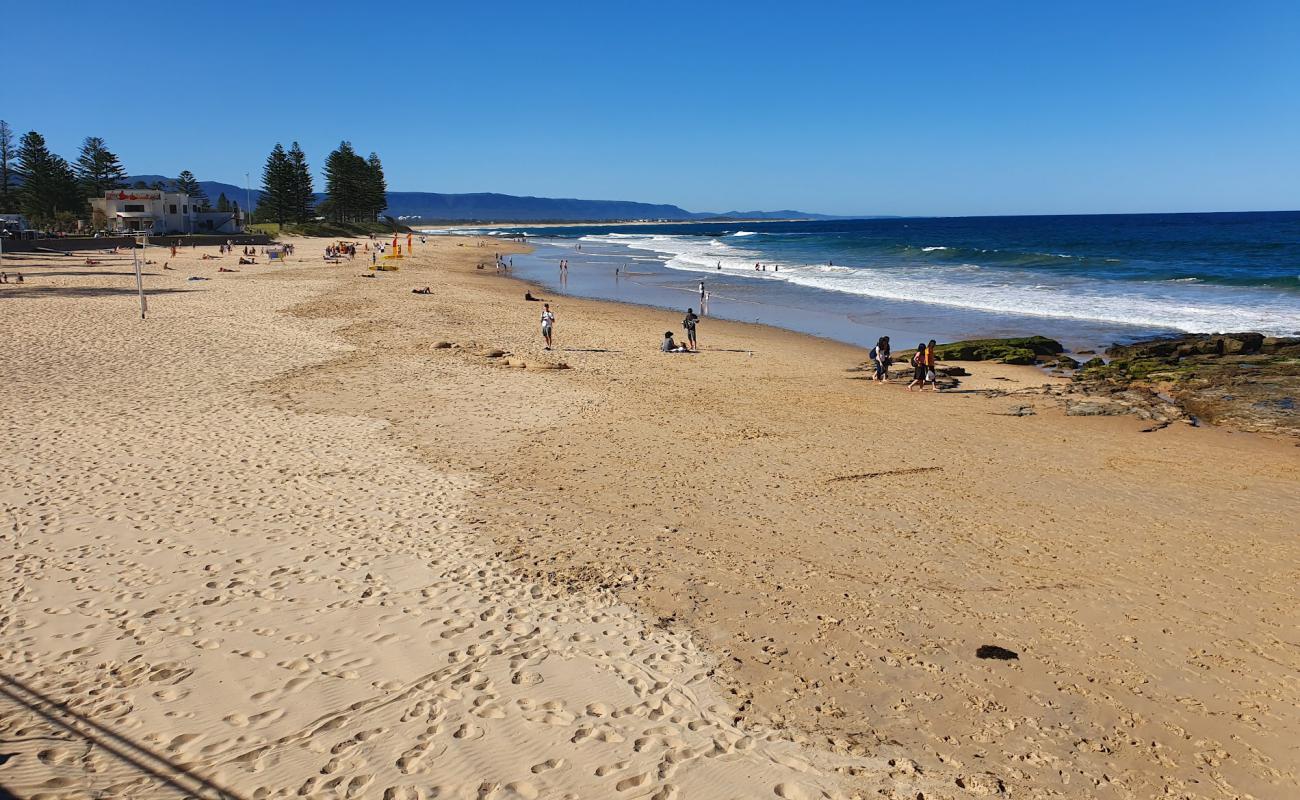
{"points": [[931, 377], [880, 355], [918, 368]]}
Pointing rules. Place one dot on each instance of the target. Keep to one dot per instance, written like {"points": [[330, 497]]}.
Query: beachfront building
{"points": [[14, 226], [158, 212]]}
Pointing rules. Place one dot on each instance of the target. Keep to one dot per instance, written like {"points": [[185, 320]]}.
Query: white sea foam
{"points": [[1186, 306], [932, 248], [744, 233]]}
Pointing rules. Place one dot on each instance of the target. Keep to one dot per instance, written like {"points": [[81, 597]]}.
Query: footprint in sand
{"points": [[468, 731], [548, 765]]}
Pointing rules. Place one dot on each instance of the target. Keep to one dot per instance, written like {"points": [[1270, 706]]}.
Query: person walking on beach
{"points": [[689, 323], [548, 322], [931, 377], [880, 355], [918, 368]]}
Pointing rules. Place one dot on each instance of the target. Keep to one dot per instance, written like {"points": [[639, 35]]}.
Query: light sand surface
{"points": [[207, 592], [228, 479]]}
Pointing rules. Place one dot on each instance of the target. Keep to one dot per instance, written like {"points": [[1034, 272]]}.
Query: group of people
{"points": [[5, 277], [668, 345], [922, 361], [340, 250]]}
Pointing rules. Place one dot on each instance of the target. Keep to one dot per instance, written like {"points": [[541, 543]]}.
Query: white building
{"points": [[158, 212]]}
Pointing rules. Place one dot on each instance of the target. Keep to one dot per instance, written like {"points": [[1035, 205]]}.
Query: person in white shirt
{"points": [[548, 322]]}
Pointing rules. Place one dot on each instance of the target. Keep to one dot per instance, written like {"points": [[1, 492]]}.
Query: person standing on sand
{"points": [[918, 368], [880, 355], [701, 291], [689, 323], [548, 323]]}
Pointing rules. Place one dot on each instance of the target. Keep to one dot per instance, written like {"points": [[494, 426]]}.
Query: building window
{"points": [[173, 207], [187, 209], [133, 207]]}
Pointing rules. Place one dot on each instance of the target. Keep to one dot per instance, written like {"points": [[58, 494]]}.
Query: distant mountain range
{"points": [[492, 207]]}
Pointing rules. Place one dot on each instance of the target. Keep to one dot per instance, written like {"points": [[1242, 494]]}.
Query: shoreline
{"points": [[839, 549], [681, 486]]}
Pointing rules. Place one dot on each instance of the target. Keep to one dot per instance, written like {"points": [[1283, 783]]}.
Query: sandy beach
{"points": [[307, 534]]}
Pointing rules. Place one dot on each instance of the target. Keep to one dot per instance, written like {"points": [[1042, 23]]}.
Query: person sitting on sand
{"points": [[4, 277], [425, 290], [243, 260], [165, 266], [529, 297], [669, 346]]}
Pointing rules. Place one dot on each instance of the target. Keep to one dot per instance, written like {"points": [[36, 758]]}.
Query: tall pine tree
{"points": [[98, 169], [376, 187], [187, 183], [344, 184], [49, 190], [8, 197], [302, 205], [277, 187]]}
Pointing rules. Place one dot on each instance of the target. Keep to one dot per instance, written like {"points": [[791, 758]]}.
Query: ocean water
{"points": [[1088, 280]]}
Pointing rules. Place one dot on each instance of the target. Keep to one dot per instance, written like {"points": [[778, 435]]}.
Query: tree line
{"points": [[53, 192], [355, 188]]}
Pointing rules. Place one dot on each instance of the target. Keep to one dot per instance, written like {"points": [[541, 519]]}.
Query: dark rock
{"points": [[1095, 408], [1065, 362], [1093, 363], [1017, 411], [995, 652]]}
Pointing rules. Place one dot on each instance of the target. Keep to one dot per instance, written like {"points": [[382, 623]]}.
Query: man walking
{"points": [[548, 322]]}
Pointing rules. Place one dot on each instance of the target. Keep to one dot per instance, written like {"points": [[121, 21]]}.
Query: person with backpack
{"points": [[881, 358], [689, 323]]}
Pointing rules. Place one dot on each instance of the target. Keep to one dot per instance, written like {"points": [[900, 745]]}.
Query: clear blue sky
{"points": [[856, 107]]}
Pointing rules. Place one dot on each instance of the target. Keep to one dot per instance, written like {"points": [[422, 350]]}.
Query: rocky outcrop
{"points": [[1247, 381], [1020, 350]]}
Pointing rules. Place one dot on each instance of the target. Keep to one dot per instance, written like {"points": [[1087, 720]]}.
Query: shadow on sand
{"points": [[139, 757], [80, 291]]}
